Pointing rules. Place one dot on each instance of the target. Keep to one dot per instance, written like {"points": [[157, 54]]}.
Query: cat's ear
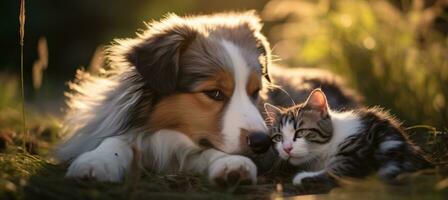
{"points": [[272, 112], [317, 100]]}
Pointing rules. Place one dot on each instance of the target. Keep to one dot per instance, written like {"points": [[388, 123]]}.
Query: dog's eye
{"points": [[216, 95], [277, 138], [255, 94]]}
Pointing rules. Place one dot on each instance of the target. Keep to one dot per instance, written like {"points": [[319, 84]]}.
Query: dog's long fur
{"points": [[99, 108], [158, 93], [155, 95]]}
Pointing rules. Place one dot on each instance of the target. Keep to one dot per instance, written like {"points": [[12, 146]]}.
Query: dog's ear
{"points": [[156, 58]]}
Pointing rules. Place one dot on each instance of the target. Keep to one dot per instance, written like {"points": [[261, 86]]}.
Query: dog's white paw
{"points": [[232, 170], [303, 175], [100, 166]]}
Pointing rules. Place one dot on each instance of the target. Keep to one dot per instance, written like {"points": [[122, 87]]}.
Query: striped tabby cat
{"points": [[331, 145]]}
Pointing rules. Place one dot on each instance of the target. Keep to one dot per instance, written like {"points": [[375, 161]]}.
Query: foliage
{"points": [[392, 55]]}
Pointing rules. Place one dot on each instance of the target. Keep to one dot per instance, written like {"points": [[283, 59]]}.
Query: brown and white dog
{"points": [[184, 93]]}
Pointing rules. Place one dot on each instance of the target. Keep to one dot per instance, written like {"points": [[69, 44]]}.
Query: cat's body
{"points": [[329, 145]]}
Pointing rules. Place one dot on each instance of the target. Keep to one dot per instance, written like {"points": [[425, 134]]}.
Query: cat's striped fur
{"points": [[343, 144]]}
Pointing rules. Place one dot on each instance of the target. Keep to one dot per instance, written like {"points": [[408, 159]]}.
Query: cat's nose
{"points": [[259, 142], [287, 149]]}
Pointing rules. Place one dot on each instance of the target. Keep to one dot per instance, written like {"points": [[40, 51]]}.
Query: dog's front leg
{"points": [[108, 162], [228, 170], [222, 169]]}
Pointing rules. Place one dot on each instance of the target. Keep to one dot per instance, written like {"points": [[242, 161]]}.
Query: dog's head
{"points": [[207, 72]]}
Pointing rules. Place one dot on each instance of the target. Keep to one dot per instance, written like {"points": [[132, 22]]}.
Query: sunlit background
{"points": [[394, 52]]}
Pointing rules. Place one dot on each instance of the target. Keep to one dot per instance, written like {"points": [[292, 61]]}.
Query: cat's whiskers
{"points": [[273, 86]]}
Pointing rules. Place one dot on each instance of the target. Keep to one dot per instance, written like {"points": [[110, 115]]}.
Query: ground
{"points": [[34, 176]]}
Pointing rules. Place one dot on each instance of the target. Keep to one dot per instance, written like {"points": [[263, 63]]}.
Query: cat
{"points": [[330, 145]]}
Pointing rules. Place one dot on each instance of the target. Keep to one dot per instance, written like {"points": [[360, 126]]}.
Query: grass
{"points": [[26, 176], [30, 176]]}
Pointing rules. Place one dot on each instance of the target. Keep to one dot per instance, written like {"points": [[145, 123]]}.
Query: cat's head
{"points": [[299, 132]]}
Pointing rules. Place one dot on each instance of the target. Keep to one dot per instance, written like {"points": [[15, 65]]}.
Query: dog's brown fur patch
{"points": [[195, 114], [223, 81], [254, 83]]}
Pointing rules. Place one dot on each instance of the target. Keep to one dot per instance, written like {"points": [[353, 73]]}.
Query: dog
{"points": [[183, 93]]}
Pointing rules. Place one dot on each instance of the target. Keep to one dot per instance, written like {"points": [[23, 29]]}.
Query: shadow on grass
{"points": [[49, 183], [32, 177]]}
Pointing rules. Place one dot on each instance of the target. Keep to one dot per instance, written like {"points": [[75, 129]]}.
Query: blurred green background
{"points": [[393, 52]]}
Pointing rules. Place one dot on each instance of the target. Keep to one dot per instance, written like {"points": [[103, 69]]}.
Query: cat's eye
{"points": [[307, 133], [300, 134], [311, 135], [216, 95], [277, 138]]}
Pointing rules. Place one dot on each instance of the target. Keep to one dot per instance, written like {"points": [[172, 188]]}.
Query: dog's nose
{"points": [[259, 142]]}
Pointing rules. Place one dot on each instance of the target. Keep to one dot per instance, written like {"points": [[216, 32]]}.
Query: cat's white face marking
{"points": [[301, 152], [288, 136], [298, 149]]}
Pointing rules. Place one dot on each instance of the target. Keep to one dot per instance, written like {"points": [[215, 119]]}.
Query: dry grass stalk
{"points": [[22, 21], [22, 35]]}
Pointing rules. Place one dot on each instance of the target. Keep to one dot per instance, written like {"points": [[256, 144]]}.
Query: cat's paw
{"points": [[314, 182], [304, 177], [97, 166], [232, 170]]}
